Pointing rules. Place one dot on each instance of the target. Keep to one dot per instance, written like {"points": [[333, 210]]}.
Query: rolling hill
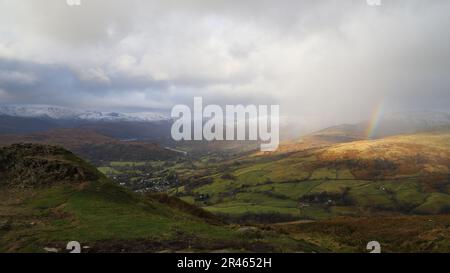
{"points": [[379, 127], [50, 197], [405, 174]]}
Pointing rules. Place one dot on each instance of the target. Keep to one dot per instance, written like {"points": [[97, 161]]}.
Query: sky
{"points": [[324, 62]]}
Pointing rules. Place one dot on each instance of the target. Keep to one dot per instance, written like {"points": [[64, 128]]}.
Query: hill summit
{"points": [[30, 165]]}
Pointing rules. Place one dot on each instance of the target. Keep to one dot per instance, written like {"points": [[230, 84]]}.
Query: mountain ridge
{"points": [[66, 113]]}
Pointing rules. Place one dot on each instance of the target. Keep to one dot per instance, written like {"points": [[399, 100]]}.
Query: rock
{"points": [[34, 165], [250, 232], [51, 249], [165, 251], [247, 229]]}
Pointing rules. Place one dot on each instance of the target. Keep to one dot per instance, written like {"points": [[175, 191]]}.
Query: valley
{"points": [[332, 190], [401, 174], [244, 129]]}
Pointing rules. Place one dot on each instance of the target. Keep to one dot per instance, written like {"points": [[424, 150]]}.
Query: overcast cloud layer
{"points": [[324, 62]]}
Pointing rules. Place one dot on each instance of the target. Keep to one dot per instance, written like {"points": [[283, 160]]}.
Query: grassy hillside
{"points": [[401, 174], [53, 205], [394, 233]]}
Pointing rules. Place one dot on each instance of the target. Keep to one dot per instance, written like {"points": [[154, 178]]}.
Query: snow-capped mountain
{"points": [[114, 116], [64, 113]]}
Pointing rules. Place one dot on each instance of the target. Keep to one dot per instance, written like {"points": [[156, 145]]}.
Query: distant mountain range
{"points": [[64, 113], [26, 119]]}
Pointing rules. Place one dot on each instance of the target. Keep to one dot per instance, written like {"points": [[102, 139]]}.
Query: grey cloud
{"points": [[59, 84], [322, 60]]}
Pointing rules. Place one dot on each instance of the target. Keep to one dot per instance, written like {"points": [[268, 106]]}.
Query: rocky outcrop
{"points": [[31, 165]]}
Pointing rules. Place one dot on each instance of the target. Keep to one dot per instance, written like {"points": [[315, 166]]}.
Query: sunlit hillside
{"points": [[399, 174]]}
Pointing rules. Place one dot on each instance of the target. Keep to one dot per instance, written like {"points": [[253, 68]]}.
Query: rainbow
{"points": [[374, 120]]}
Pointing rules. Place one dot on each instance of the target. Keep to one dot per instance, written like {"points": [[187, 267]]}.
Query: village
{"points": [[141, 176]]}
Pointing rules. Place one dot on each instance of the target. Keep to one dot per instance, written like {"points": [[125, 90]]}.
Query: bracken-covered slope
{"points": [[49, 197]]}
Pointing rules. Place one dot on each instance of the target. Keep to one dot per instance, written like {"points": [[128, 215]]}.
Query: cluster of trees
{"points": [[328, 198], [248, 218]]}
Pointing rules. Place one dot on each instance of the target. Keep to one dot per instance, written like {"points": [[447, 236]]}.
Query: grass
{"points": [[292, 190], [239, 208], [127, 164], [394, 233], [108, 170], [324, 173], [435, 203], [252, 177]]}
